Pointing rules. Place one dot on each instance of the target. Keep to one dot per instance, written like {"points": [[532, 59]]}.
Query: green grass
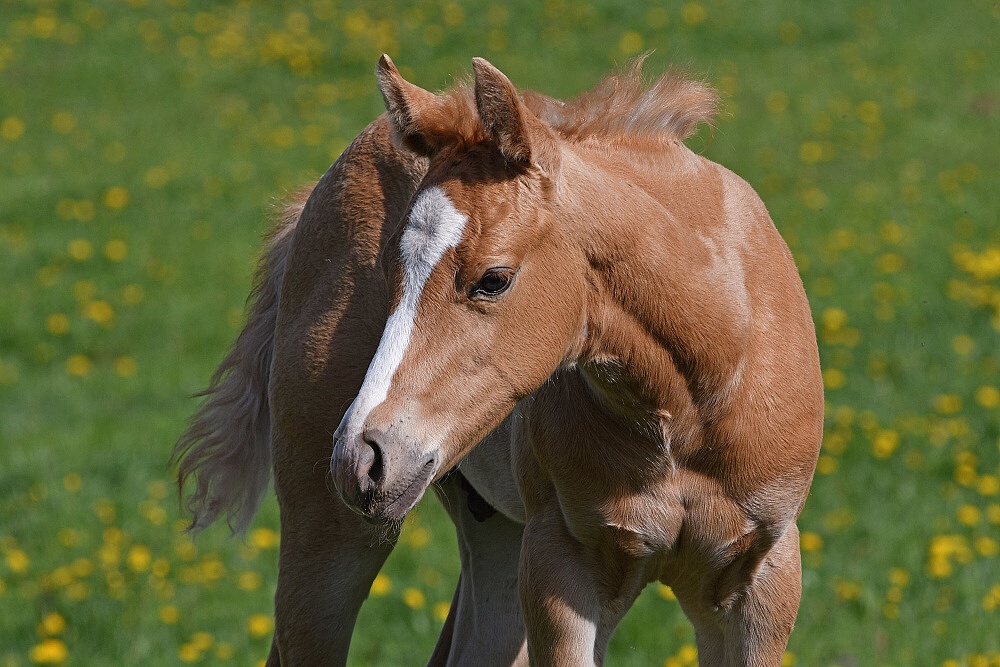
{"points": [[142, 145]]}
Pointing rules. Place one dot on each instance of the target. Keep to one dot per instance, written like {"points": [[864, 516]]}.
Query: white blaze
{"points": [[434, 226]]}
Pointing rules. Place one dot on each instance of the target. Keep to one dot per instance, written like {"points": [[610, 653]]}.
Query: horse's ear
{"points": [[406, 104], [519, 135], [501, 112]]}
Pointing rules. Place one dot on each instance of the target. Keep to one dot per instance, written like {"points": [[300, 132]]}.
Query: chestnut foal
{"points": [[592, 339]]}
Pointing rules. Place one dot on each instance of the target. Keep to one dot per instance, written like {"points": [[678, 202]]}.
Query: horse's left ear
{"points": [[413, 112], [519, 135]]}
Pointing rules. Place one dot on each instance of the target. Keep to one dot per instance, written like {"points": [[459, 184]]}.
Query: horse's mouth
{"points": [[392, 504]]}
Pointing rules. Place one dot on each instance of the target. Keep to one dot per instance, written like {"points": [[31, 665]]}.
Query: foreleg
{"points": [[484, 625]]}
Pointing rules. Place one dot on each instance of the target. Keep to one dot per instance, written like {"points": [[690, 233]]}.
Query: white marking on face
{"points": [[434, 227]]}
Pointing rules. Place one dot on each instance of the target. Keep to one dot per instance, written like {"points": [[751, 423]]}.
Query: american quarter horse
{"points": [[591, 341]]}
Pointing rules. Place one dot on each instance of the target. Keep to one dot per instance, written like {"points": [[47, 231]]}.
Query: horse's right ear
{"points": [[407, 105]]}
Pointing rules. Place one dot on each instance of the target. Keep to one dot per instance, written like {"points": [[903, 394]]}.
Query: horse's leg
{"points": [[328, 559], [558, 594], [753, 628], [484, 625], [761, 620], [443, 646]]}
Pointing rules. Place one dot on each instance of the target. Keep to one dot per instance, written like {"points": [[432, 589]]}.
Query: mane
{"points": [[623, 104]]}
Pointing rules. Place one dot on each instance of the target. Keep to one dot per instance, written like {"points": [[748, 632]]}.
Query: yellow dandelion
{"points": [[158, 489], [82, 567], [988, 397], [138, 558], [133, 294], [418, 538], [63, 122], [84, 290], [57, 324], [52, 624], [899, 577], [68, 537], [260, 625], [869, 112], [847, 590], [72, 482], [811, 542], [834, 319], [77, 591], [381, 586], [100, 311], [688, 654], [885, 443], [83, 210], [115, 250], [968, 515], [153, 513], [988, 485], [631, 42], [115, 198], [126, 367], [157, 177], [776, 102], [185, 548], [441, 610], [188, 652], [414, 598], [248, 581], [827, 465], [169, 614], [105, 510], [810, 152], [160, 567], [65, 209], [814, 198], [889, 262], [224, 651], [283, 137], [693, 14], [264, 538], [202, 640], [834, 378], [947, 404], [986, 546], [963, 344], [80, 249], [49, 652], [78, 365], [12, 128]]}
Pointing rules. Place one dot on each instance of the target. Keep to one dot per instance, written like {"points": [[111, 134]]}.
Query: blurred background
{"points": [[144, 144]]}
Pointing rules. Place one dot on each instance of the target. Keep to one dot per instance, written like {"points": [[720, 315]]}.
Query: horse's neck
{"points": [[667, 302]]}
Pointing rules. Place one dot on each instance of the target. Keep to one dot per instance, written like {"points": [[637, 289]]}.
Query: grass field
{"points": [[143, 143]]}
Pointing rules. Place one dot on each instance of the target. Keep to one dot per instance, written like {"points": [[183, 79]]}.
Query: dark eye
{"points": [[493, 283]]}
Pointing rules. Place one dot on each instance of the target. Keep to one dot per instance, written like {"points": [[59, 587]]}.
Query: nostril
{"points": [[372, 460]]}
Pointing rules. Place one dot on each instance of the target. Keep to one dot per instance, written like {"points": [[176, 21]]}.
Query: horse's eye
{"points": [[493, 283]]}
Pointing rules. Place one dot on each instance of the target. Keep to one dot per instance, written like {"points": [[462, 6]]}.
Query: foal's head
{"points": [[488, 296]]}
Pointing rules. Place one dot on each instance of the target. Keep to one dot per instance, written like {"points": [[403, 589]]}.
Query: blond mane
{"points": [[623, 104]]}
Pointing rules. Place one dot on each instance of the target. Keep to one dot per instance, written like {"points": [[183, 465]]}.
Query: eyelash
{"points": [[482, 288]]}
